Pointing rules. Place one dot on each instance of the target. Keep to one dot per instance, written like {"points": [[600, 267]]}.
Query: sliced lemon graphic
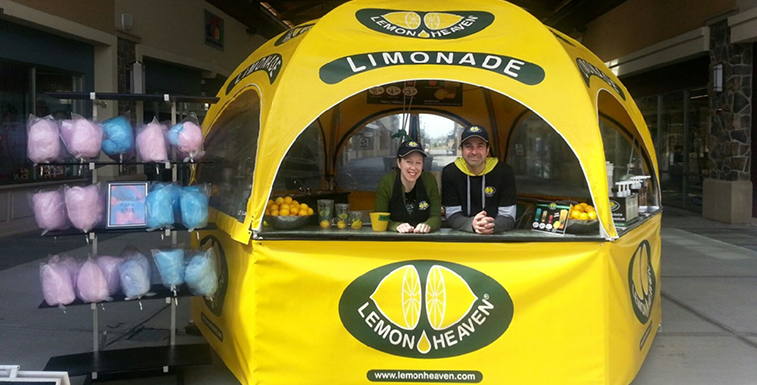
{"points": [[409, 20], [398, 297], [640, 273], [448, 297], [436, 20]]}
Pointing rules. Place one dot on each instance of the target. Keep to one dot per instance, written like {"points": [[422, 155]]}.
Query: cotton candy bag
{"points": [[118, 137], [194, 206], [91, 285], [43, 139], [151, 142], [135, 274], [109, 267], [57, 280], [50, 210], [85, 206], [83, 138], [160, 206], [201, 275], [170, 263], [187, 137]]}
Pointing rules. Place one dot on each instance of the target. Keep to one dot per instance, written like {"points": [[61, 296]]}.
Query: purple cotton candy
{"points": [[84, 206], [57, 282], [50, 210], [109, 267], [151, 143], [190, 139], [43, 144], [82, 137], [91, 285]]}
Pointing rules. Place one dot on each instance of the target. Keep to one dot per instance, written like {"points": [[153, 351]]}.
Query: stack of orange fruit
{"points": [[583, 211], [286, 206]]}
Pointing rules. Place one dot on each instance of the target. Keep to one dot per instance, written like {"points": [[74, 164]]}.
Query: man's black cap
{"points": [[474, 132], [408, 147]]}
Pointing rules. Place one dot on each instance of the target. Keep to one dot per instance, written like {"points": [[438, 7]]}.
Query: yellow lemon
{"points": [[303, 213], [270, 202], [267, 211], [279, 201], [303, 206], [284, 212], [310, 211], [592, 215], [584, 216], [294, 203], [341, 225], [325, 224], [575, 214], [288, 200], [357, 225], [284, 206], [398, 297], [274, 213], [294, 210], [590, 209]]}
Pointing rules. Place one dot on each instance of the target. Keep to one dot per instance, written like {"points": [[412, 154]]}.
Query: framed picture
{"points": [[127, 205], [213, 30]]}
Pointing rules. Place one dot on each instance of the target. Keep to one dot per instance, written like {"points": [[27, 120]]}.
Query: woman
{"points": [[410, 195]]}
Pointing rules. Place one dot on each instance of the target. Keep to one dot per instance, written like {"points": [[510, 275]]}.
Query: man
{"points": [[478, 192]]}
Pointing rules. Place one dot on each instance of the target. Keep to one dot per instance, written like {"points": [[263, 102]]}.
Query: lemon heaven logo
{"points": [[489, 191], [412, 144], [474, 129], [425, 309], [641, 281], [425, 25]]}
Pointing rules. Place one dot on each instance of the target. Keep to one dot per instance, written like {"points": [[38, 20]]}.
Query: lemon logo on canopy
{"points": [[641, 281], [588, 70], [425, 25], [520, 70], [271, 64], [425, 309]]}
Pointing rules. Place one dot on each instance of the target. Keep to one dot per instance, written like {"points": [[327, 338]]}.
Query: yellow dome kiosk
{"points": [[313, 306]]}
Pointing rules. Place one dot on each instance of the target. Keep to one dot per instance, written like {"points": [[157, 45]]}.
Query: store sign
{"points": [[425, 309], [418, 93], [425, 25], [271, 64], [342, 68], [213, 30], [293, 33], [641, 282], [588, 70]]}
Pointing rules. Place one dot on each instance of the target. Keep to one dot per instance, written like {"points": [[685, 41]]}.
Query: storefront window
{"points": [[231, 146], [368, 154], [543, 162], [22, 92], [303, 166], [679, 123]]}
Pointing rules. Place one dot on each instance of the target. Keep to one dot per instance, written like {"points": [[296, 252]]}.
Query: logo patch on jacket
{"points": [[489, 191], [423, 205]]}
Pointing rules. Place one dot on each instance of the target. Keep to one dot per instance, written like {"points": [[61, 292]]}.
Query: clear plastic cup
{"points": [[325, 212], [342, 212]]}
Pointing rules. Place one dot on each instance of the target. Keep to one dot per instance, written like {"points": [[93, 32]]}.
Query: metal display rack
{"points": [[104, 365]]}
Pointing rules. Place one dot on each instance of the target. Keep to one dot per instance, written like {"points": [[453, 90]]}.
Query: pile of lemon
{"points": [[583, 211], [286, 206]]}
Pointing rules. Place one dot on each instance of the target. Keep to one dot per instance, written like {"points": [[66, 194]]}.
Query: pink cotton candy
{"points": [[43, 143], [82, 137], [57, 282], [50, 210], [190, 139], [151, 143], [109, 267], [91, 285], [84, 206]]}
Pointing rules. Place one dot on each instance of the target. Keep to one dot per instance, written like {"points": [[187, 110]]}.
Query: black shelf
{"points": [[116, 163], [161, 292], [133, 97], [74, 231], [134, 359]]}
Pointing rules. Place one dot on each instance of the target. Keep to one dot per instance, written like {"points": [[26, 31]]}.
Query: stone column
{"points": [[728, 192]]}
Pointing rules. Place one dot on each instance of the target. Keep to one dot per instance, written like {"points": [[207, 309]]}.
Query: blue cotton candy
{"points": [[194, 207], [119, 136], [135, 274], [170, 266], [201, 275], [173, 134], [160, 209]]}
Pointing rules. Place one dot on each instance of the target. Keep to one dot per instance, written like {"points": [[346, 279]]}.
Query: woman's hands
{"points": [[422, 228]]}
